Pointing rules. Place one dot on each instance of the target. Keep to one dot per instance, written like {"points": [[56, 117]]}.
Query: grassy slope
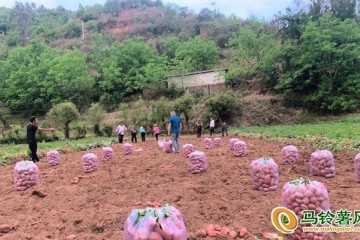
{"points": [[10, 153], [341, 134]]}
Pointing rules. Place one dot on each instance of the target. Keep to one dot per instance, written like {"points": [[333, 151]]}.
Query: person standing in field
{"points": [[133, 133], [156, 131], [212, 127], [224, 128], [199, 126], [174, 130], [31, 136], [142, 132], [120, 131]]}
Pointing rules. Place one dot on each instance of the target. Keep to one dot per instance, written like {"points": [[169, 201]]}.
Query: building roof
{"points": [[200, 72]]}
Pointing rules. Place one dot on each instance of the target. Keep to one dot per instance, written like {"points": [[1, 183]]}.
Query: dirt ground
{"points": [[97, 207]]}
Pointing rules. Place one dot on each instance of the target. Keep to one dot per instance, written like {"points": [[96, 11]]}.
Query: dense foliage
{"points": [[310, 55]]}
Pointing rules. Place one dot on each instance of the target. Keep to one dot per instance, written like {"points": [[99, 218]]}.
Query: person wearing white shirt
{"points": [[120, 131], [212, 127]]}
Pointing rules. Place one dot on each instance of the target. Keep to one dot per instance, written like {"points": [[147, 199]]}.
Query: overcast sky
{"points": [[262, 9]]}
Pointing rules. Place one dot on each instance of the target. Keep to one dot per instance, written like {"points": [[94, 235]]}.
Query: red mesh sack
{"points": [[53, 157], [357, 168], [207, 143], [217, 142], [155, 224], [127, 148], [197, 162], [239, 149], [188, 149], [265, 174], [289, 154], [300, 195], [90, 162], [108, 153], [232, 142], [322, 164], [26, 175]]}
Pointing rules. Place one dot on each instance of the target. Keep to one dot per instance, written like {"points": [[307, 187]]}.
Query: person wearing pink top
{"points": [[120, 131], [156, 131]]}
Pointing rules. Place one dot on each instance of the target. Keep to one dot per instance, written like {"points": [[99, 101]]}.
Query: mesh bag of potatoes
{"points": [[197, 162], [300, 195], [90, 162], [108, 153], [265, 174], [53, 157], [322, 164], [188, 149], [289, 154], [164, 223], [26, 175]]}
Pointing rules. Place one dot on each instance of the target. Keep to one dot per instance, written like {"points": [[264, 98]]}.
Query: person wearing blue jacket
{"points": [[142, 132]]}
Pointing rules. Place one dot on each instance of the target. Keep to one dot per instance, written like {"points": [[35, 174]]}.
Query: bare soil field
{"points": [[97, 206]]}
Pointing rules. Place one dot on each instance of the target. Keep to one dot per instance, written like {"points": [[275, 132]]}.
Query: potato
{"points": [[233, 234], [155, 236]]}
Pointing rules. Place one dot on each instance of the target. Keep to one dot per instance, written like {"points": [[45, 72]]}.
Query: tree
{"points": [[251, 48], [4, 115], [63, 114], [124, 71], [200, 54], [322, 72], [161, 111], [184, 105], [222, 106], [95, 115]]}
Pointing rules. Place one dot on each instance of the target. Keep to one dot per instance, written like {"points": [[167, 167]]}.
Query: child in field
{"points": [[156, 131], [142, 132], [133, 133]]}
